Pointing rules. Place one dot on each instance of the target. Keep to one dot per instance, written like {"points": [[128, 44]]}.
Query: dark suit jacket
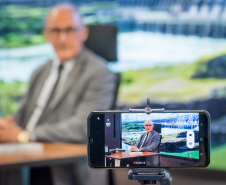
{"points": [[89, 87], [151, 144]]}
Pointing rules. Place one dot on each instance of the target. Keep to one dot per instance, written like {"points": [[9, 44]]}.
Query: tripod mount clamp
{"points": [[147, 109], [150, 176]]}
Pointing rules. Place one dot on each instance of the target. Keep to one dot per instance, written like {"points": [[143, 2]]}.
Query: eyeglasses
{"points": [[70, 31], [148, 125]]}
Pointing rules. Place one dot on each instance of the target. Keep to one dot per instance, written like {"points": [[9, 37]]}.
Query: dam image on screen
{"points": [[158, 139]]}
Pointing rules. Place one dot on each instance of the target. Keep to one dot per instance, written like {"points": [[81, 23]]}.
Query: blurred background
{"points": [[173, 51]]}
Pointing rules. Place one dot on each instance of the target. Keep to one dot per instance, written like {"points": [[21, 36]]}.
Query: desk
{"points": [[53, 154], [127, 155]]}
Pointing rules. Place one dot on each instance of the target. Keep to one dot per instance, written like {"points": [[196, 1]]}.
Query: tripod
{"points": [[150, 176]]}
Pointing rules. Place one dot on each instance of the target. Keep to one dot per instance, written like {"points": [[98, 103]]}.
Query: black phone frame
{"points": [[148, 110]]}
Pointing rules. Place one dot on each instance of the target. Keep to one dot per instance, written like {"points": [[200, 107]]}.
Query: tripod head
{"points": [[150, 176]]}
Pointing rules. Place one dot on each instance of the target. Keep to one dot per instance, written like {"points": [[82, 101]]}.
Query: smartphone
{"points": [[120, 139]]}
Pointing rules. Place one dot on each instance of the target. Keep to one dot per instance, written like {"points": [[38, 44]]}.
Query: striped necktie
{"points": [[53, 92], [144, 140]]}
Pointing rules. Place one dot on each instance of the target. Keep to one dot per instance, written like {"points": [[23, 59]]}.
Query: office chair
{"points": [[158, 129], [102, 40]]}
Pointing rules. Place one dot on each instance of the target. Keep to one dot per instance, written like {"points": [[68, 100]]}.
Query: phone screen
{"points": [[169, 139]]}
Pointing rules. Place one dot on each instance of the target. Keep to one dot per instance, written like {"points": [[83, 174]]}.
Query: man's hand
{"points": [[8, 130], [134, 149]]}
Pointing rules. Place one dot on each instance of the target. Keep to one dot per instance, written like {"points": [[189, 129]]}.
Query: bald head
{"points": [[64, 9], [65, 31], [148, 125]]}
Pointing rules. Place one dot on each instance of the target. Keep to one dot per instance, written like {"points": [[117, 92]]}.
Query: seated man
{"points": [[63, 91], [149, 140]]}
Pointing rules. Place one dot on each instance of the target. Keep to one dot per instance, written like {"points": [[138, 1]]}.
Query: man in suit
{"points": [[149, 141], [64, 91]]}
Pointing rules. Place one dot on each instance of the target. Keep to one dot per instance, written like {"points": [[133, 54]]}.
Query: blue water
{"points": [[19, 63], [136, 50]]}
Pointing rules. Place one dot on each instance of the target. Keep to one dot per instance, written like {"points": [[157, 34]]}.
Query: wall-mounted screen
{"points": [[171, 51]]}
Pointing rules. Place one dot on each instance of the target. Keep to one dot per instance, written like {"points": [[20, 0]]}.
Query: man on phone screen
{"points": [[149, 141]]}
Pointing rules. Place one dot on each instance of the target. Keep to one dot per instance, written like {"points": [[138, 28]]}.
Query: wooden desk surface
{"points": [[53, 153], [128, 154]]}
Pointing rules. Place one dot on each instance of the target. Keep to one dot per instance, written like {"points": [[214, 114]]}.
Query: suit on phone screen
{"points": [[149, 142]]}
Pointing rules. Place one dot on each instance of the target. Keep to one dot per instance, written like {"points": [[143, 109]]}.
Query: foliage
{"points": [[166, 84], [10, 95], [169, 137], [22, 25], [137, 127], [130, 141], [127, 79], [217, 157], [210, 66]]}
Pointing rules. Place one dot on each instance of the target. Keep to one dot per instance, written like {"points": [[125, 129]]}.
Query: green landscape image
{"points": [[172, 128], [168, 84], [169, 69]]}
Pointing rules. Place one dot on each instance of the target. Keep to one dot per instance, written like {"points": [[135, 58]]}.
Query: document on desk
{"points": [[135, 153], [8, 148]]}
